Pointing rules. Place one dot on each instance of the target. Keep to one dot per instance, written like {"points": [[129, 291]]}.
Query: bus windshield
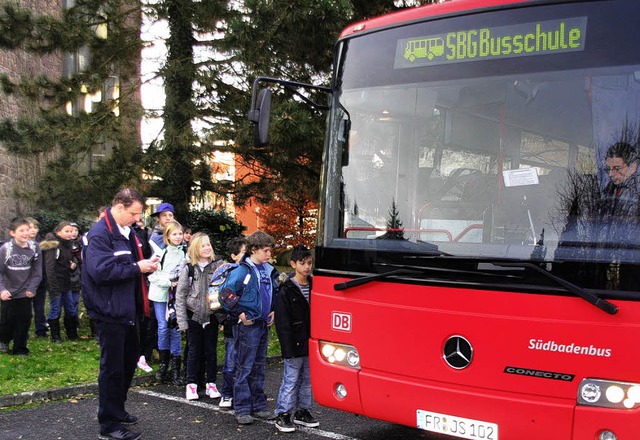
{"points": [[510, 141]]}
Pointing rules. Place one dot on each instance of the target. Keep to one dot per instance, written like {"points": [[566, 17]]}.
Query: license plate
{"points": [[456, 426]]}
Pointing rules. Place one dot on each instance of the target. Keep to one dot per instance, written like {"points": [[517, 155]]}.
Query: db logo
{"points": [[341, 321]]}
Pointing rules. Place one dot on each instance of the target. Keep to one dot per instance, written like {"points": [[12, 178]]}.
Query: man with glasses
{"points": [[115, 296], [621, 195], [618, 210]]}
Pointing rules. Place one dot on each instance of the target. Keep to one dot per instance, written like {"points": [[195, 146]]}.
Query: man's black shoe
{"points": [[130, 419], [121, 434]]}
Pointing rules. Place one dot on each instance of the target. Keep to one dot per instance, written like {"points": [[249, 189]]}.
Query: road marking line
{"points": [[315, 431]]}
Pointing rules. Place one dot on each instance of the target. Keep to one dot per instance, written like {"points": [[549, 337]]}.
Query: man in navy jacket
{"points": [[114, 293]]}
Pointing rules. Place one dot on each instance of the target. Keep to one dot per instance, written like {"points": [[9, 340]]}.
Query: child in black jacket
{"points": [[292, 317]]}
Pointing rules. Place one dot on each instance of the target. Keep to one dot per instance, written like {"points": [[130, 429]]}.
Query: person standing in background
{"points": [[39, 301], [164, 215], [20, 274], [64, 290]]}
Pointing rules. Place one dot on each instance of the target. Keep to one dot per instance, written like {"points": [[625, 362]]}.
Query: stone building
{"points": [[17, 174]]}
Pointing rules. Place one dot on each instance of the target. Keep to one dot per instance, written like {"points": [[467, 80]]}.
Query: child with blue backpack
{"points": [[254, 283]]}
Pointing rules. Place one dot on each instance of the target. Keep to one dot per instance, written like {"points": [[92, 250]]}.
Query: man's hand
{"points": [[150, 265], [270, 319], [5, 295]]}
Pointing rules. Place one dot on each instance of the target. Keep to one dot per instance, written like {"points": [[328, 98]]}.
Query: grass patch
{"points": [[50, 366], [71, 363]]}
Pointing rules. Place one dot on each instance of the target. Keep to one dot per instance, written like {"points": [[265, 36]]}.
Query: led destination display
{"points": [[521, 40]]}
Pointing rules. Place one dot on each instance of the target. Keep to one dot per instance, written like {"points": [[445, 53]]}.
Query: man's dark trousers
{"points": [[119, 352]]}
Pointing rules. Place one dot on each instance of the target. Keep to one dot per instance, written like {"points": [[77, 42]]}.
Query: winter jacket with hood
{"points": [[58, 255]]}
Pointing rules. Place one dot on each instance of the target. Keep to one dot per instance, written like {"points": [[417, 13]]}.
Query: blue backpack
{"points": [[219, 297]]}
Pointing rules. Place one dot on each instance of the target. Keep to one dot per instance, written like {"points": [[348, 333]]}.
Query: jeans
{"points": [[168, 338], [70, 300], [119, 348], [295, 391], [202, 341], [15, 319], [229, 367], [251, 361]]}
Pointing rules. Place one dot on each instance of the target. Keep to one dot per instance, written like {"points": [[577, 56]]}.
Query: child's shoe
{"points": [[212, 390], [284, 423], [303, 417], [143, 365], [4, 347], [192, 391], [226, 402]]}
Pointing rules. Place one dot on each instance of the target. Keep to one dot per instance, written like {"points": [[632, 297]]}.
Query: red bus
{"points": [[476, 268]]}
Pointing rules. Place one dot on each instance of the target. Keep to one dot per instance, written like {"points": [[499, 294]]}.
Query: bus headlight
{"points": [[607, 435], [340, 354], [608, 394]]}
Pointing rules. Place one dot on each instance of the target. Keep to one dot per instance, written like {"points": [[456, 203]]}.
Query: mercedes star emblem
{"points": [[457, 352]]}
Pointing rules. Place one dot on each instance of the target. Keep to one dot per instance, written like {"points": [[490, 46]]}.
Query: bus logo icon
{"points": [[341, 321], [424, 48], [457, 352]]}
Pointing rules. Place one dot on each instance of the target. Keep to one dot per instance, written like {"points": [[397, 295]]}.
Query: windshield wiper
{"points": [[578, 291], [368, 278], [591, 298], [403, 269]]}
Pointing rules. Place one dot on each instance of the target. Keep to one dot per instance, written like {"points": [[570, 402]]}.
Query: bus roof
{"points": [[431, 10]]}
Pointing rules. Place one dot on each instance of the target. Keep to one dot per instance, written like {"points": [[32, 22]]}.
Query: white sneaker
{"points": [[226, 402], [142, 364], [212, 390], [192, 391]]}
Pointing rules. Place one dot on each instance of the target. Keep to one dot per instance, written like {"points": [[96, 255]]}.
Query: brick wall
{"points": [[18, 175]]}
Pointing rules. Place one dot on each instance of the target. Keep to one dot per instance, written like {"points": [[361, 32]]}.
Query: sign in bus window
{"points": [[481, 44]]}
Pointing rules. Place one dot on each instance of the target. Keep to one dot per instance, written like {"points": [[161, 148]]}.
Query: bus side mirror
{"points": [[260, 115]]}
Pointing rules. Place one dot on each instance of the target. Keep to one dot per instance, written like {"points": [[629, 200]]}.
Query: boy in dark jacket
{"points": [[293, 325]]}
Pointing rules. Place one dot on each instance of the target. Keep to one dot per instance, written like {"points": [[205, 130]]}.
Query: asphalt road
{"points": [[165, 414]]}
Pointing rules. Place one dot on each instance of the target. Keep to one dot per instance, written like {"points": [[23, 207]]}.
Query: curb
{"points": [[41, 396]]}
